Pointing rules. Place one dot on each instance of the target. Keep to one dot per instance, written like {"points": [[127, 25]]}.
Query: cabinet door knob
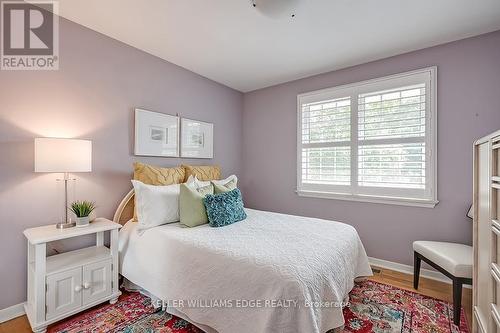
{"points": [[86, 285], [78, 289]]}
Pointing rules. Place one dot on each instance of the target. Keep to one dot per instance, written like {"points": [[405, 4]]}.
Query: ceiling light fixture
{"points": [[276, 8]]}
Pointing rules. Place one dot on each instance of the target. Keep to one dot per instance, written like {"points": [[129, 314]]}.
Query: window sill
{"points": [[368, 198]]}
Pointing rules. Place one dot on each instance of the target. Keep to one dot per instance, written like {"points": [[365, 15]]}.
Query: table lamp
{"points": [[63, 156]]}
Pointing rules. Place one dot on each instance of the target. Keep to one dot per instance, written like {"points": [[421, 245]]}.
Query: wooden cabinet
{"points": [[486, 289], [71, 289], [63, 292], [96, 281], [64, 284]]}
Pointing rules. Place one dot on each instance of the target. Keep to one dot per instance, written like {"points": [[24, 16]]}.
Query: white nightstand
{"points": [[64, 284]]}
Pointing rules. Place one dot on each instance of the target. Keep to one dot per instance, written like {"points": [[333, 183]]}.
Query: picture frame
{"points": [[197, 139], [156, 134]]}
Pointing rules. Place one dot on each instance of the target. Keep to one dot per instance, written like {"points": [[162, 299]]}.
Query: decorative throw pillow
{"points": [[225, 185], [191, 208], [220, 186], [156, 205], [202, 172], [153, 175], [194, 181], [224, 208]]}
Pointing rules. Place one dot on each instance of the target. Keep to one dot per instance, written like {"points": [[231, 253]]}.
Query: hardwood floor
{"points": [[427, 287], [17, 325]]}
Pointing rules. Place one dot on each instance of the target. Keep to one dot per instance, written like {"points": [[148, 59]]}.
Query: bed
{"points": [[269, 273]]}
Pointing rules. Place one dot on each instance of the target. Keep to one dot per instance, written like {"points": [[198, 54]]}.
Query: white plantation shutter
{"points": [[374, 139], [326, 133], [391, 135]]}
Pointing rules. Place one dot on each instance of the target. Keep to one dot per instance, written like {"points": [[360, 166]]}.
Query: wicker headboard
{"points": [[159, 175], [125, 210]]}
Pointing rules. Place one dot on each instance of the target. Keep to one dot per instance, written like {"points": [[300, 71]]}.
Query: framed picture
{"points": [[197, 139], [156, 134]]}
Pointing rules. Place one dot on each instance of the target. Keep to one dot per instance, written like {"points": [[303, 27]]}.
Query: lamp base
{"points": [[65, 225]]}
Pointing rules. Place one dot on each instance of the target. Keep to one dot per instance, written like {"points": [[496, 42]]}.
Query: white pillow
{"points": [[223, 182], [195, 183], [156, 205]]}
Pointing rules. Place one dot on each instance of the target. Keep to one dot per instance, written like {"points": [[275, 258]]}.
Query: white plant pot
{"points": [[82, 221]]}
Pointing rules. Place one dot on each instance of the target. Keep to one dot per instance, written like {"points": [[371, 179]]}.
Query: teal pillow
{"points": [[224, 208]]}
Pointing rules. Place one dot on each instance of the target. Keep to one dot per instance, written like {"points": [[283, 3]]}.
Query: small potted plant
{"points": [[82, 210]]}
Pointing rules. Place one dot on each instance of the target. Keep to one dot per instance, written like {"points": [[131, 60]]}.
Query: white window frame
{"points": [[375, 195]]}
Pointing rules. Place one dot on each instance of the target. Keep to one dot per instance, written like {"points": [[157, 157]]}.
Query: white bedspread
{"points": [[266, 257]]}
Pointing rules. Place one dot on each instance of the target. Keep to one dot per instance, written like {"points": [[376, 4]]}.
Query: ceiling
{"points": [[231, 42]]}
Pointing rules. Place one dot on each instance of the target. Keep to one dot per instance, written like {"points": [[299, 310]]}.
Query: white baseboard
{"points": [[407, 269], [11, 312]]}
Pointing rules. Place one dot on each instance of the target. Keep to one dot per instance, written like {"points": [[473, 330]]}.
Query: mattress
{"points": [[268, 273]]}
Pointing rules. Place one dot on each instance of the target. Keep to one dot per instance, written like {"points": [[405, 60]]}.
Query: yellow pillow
{"points": [[153, 175], [202, 172]]}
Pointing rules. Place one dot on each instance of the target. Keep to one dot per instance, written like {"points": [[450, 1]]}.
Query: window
{"points": [[370, 141]]}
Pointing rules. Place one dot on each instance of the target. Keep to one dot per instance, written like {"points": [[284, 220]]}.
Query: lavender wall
{"points": [[468, 108], [92, 96], [101, 80]]}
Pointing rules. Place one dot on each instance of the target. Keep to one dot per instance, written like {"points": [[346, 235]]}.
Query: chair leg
{"points": [[457, 300], [416, 269]]}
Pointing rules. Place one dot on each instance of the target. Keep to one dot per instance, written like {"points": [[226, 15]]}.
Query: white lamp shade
{"points": [[63, 155]]}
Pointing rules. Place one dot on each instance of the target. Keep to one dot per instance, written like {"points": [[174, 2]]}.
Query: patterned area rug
{"points": [[374, 307], [380, 308], [133, 313]]}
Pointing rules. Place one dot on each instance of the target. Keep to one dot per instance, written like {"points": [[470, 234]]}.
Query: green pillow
{"points": [[192, 210], [223, 188]]}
